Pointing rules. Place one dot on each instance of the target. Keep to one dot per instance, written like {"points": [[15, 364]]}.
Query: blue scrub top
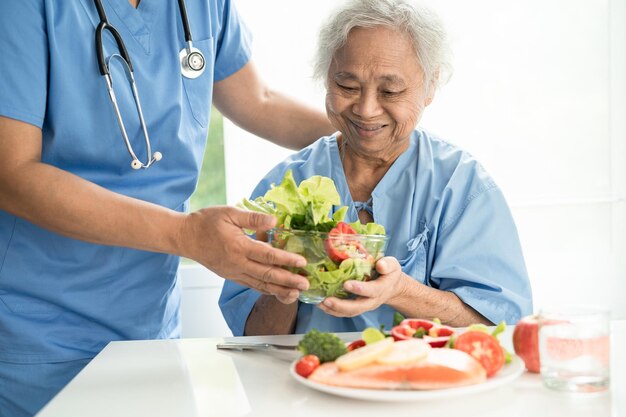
{"points": [[64, 299], [449, 225]]}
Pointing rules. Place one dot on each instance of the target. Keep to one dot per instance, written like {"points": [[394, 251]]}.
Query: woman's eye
{"points": [[347, 88]]}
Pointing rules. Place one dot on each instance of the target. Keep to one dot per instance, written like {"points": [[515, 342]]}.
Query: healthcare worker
{"points": [[94, 181]]}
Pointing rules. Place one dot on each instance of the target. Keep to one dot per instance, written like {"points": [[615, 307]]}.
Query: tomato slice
{"points": [[402, 332], [356, 344], [339, 246], [439, 335], [484, 348], [435, 334], [417, 323], [306, 365], [436, 342], [344, 228]]}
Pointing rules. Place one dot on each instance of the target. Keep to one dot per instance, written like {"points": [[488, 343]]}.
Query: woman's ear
{"points": [[432, 88], [431, 95]]}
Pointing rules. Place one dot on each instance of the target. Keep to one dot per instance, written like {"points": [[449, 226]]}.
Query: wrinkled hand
{"points": [[371, 294], [214, 237]]}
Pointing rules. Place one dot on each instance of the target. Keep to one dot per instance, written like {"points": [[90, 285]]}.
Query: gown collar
{"points": [[387, 181]]}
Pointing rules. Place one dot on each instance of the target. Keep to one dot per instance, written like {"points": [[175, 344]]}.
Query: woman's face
{"points": [[375, 94]]}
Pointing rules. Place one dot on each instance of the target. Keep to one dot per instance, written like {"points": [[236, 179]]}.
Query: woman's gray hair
{"points": [[423, 27]]}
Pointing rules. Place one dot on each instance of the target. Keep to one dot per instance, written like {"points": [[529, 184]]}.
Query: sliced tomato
{"points": [[437, 335], [344, 228], [306, 365], [339, 246], [402, 332], [417, 323], [484, 348], [356, 344]]}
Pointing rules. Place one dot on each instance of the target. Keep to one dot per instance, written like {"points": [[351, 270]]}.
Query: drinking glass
{"points": [[574, 348]]}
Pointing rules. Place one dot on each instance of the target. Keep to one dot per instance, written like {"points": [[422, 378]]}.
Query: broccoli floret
{"points": [[326, 346]]}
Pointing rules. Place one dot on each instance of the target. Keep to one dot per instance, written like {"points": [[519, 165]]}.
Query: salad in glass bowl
{"points": [[336, 251], [333, 258]]}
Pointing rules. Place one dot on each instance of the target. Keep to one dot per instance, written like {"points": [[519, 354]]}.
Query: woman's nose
{"points": [[367, 106]]}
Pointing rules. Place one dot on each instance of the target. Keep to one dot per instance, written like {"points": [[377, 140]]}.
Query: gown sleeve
{"points": [[479, 258]]}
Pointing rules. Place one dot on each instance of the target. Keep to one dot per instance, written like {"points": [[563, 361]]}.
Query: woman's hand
{"points": [[405, 295], [372, 294], [214, 237]]}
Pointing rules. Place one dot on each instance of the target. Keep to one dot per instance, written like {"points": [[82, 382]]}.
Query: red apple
{"points": [[526, 342]]}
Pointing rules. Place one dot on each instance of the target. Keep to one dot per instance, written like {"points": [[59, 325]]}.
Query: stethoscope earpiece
{"points": [[192, 64], [136, 163]]}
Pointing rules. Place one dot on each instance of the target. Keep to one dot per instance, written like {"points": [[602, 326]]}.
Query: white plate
{"points": [[506, 375]]}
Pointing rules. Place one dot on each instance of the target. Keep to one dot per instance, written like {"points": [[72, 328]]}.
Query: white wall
{"points": [[201, 316], [538, 96]]}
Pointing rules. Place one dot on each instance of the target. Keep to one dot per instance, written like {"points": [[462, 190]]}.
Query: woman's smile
{"points": [[367, 129]]}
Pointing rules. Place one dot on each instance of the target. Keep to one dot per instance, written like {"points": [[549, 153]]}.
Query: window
{"points": [[201, 316], [211, 189]]}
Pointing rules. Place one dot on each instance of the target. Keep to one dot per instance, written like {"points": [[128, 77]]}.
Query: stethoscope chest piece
{"points": [[192, 62]]}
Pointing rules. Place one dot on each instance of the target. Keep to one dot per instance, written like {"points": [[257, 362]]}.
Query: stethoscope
{"points": [[192, 65]]}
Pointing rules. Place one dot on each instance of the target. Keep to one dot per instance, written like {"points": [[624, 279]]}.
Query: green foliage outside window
{"points": [[211, 189]]}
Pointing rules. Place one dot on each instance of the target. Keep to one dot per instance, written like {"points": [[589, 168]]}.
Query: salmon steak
{"points": [[442, 368]]}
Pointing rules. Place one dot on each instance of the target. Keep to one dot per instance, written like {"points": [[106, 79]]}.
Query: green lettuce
{"points": [[307, 207], [329, 281], [301, 207]]}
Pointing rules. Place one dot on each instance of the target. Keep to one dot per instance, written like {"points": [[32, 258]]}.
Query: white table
{"points": [[190, 377]]}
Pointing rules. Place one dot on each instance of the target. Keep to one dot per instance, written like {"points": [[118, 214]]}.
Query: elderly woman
{"points": [[454, 251]]}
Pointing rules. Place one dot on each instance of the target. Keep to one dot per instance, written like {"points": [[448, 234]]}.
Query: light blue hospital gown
{"points": [[449, 224], [63, 300]]}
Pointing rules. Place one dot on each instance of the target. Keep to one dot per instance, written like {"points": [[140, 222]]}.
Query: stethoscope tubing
{"points": [[105, 25], [131, 79], [102, 66], [183, 17], [102, 26], [192, 66]]}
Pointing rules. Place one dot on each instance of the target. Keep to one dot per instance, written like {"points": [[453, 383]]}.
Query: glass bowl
{"points": [[332, 259]]}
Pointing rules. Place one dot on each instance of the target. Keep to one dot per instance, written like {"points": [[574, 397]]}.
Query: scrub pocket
{"points": [[199, 91], [415, 262]]}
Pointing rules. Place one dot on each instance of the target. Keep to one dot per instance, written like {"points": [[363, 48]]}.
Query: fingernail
{"points": [[303, 286], [352, 286], [382, 264], [301, 263], [327, 303]]}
